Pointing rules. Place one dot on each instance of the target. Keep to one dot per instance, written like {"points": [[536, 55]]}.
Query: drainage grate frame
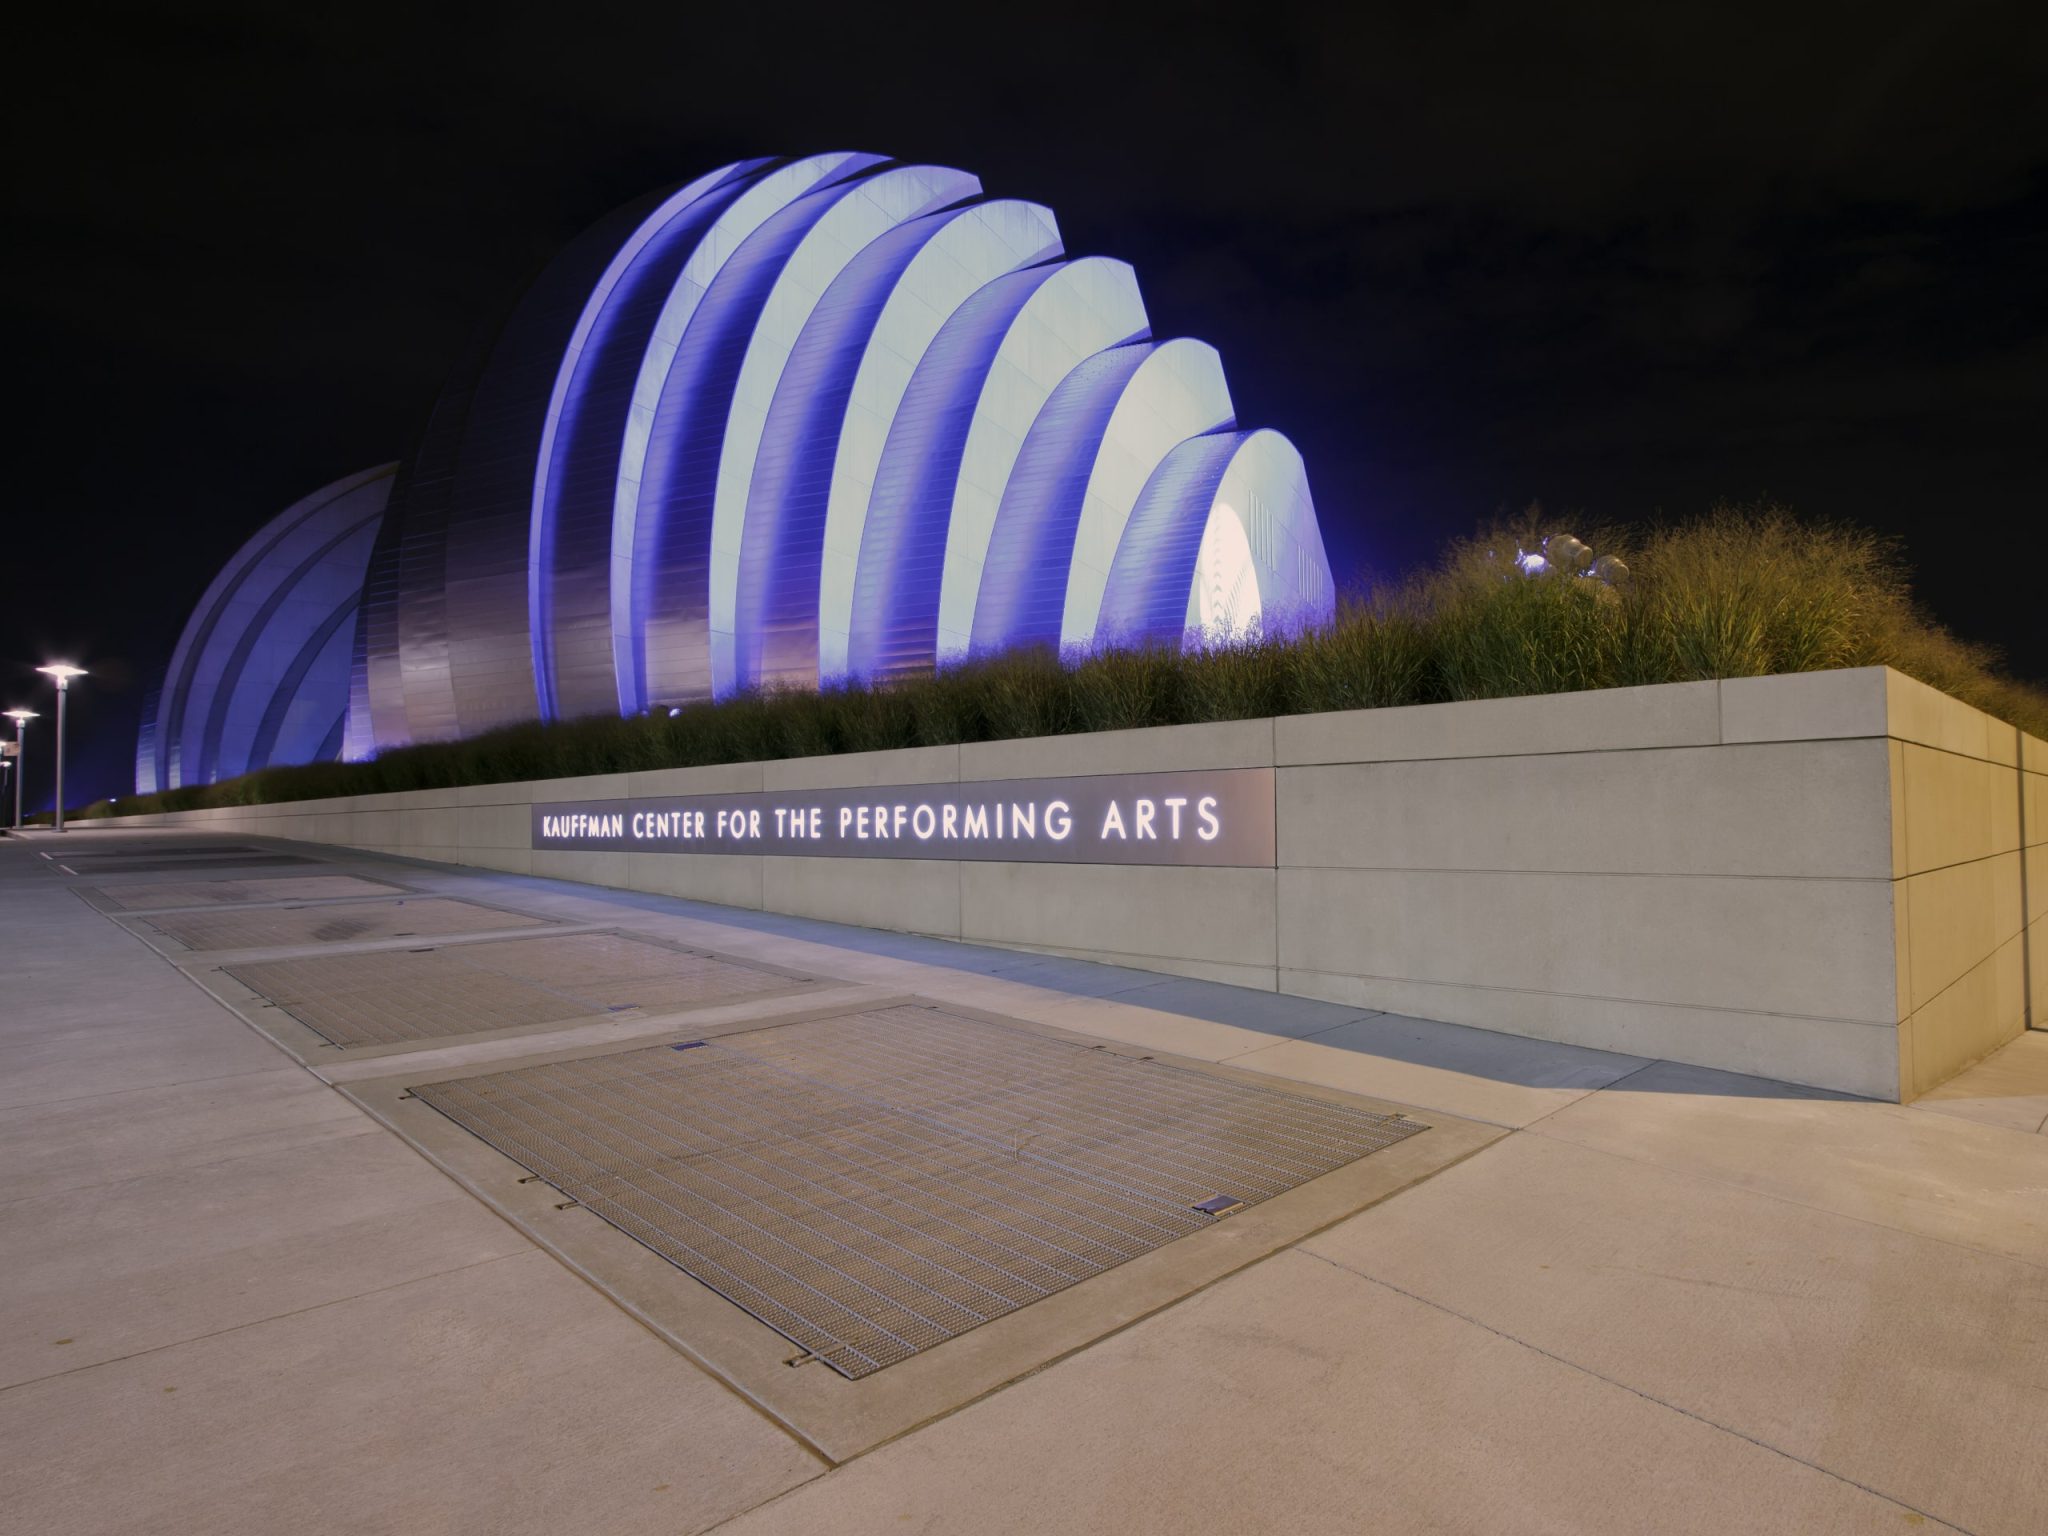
{"points": [[334, 923], [870, 1185], [233, 892], [107, 864], [395, 997], [144, 850]]}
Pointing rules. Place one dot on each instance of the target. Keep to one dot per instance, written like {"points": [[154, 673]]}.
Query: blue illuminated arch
{"points": [[843, 385], [951, 446], [577, 465], [701, 423], [630, 587], [871, 209], [261, 671], [1221, 546], [1080, 471]]}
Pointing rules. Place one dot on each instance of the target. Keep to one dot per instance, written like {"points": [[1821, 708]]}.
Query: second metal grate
{"points": [[390, 997], [339, 922]]}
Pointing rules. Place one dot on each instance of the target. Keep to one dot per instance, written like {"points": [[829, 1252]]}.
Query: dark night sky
{"points": [[1624, 259]]}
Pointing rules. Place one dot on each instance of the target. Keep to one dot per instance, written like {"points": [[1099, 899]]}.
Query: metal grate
{"points": [[341, 923], [388, 997], [154, 866], [873, 1184], [222, 893]]}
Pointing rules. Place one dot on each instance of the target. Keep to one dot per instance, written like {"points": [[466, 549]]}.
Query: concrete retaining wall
{"points": [[1834, 878]]}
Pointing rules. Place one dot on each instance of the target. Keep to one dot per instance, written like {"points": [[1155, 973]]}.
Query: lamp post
{"points": [[63, 672], [21, 718]]}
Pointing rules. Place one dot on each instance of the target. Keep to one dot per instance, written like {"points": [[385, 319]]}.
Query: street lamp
{"points": [[63, 672], [21, 718]]}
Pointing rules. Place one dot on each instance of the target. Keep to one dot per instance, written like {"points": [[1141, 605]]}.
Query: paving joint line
{"points": [[8, 1201], [1648, 1397], [257, 1322], [1797, 1204], [1601, 1088], [178, 1082], [1370, 1013]]}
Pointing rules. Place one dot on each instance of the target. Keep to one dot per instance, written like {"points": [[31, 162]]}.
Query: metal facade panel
{"points": [[376, 687], [146, 782], [417, 665], [490, 497]]}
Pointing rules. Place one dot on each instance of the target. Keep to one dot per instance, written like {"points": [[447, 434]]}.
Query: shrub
{"points": [[1741, 592]]}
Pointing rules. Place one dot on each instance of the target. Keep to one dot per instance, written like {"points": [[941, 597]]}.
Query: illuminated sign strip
{"points": [[1224, 817]]}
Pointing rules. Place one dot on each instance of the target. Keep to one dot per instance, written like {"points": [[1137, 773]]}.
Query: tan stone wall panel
{"points": [[1815, 878]]}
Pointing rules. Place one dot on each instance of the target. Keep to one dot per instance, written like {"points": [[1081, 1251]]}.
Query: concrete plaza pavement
{"points": [[1664, 1299]]}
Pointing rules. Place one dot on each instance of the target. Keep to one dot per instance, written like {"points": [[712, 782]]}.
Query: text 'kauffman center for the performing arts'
{"points": [[796, 423]]}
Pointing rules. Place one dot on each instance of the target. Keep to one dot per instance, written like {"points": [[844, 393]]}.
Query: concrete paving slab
{"points": [[1902, 1364], [1297, 1397], [505, 1397], [1503, 1079], [102, 1314], [1270, 1013], [50, 1148], [44, 1071], [1295, 1394], [2008, 1088], [1978, 1185]]}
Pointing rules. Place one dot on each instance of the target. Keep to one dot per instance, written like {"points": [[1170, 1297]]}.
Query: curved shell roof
{"points": [[794, 422]]}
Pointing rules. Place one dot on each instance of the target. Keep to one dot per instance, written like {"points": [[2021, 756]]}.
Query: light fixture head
{"points": [[22, 716], [63, 671]]}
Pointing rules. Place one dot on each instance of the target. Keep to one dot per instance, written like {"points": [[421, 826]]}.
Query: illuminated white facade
{"points": [[795, 423]]}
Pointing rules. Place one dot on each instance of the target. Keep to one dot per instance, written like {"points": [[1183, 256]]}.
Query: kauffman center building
{"points": [[797, 422]]}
